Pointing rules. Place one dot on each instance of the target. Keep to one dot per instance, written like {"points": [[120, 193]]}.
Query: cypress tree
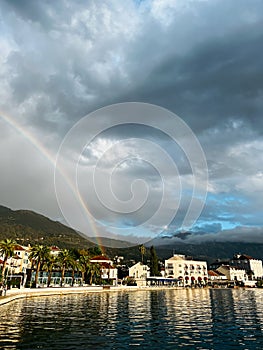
{"points": [[154, 262]]}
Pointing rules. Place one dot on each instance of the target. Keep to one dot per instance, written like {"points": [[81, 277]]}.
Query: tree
{"points": [[142, 250], [154, 270], [7, 249], [94, 272], [93, 251], [39, 255], [48, 266], [84, 265], [74, 264], [65, 260]]}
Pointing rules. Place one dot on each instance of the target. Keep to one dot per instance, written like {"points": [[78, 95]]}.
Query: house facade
{"points": [[187, 271], [253, 267], [108, 271], [233, 273], [139, 272], [18, 264]]}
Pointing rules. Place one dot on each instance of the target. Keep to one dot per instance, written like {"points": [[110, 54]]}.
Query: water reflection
{"points": [[166, 319], [235, 316]]}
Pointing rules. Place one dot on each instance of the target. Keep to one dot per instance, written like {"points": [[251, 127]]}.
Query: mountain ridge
{"points": [[26, 226]]}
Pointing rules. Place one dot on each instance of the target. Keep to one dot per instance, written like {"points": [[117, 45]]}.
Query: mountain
{"points": [[180, 243], [26, 226], [110, 242]]}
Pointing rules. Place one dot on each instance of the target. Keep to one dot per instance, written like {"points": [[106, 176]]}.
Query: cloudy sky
{"points": [[201, 60]]}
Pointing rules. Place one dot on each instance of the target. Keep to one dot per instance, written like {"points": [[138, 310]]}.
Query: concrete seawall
{"points": [[15, 294]]}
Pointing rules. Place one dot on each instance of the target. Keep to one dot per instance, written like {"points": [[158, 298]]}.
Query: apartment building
{"points": [[186, 270]]}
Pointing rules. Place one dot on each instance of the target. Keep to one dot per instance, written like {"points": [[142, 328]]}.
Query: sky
{"points": [[116, 117]]}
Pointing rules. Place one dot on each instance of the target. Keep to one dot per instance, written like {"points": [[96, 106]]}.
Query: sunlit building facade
{"points": [[187, 271]]}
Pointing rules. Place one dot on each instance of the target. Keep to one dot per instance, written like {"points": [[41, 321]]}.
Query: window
{"points": [[170, 266]]}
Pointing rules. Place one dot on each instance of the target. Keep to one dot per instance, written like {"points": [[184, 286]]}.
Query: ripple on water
{"points": [[164, 319]]}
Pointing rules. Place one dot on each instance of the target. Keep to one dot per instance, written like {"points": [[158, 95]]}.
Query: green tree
{"points": [[65, 260], [84, 266], [7, 249], [38, 256], [74, 265], [93, 251], [49, 266], [94, 272], [142, 250], [154, 270]]}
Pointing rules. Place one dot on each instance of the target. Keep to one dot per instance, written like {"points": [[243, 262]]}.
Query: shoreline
{"points": [[24, 293], [14, 294]]}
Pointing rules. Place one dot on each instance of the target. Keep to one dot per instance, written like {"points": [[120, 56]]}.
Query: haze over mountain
{"points": [[26, 227]]}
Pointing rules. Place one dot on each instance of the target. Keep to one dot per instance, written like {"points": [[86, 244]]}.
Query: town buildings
{"points": [[253, 267], [139, 272], [241, 268], [233, 273], [18, 264], [108, 271], [186, 270]]}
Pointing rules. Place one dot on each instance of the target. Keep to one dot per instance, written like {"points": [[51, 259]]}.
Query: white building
{"points": [[140, 273], [108, 271], [232, 273], [253, 267], [54, 250], [185, 270], [18, 264]]}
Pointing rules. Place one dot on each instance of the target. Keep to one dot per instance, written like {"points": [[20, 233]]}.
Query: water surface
{"points": [[158, 319]]}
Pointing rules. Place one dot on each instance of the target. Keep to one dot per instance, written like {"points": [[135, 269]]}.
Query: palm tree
{"points": [[48, 266], [7, 249], [84, 265], [74, 264], [38, 256], [64, 259], [142, 250], [94, 271]]}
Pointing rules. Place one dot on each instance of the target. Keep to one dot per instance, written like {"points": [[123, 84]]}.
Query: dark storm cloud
{"points": [[218, 80], [61, 60]]}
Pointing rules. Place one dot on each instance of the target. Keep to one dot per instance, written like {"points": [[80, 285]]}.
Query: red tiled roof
{"points": [[245, 257], [212, 273], [54, 248], [19, 247], [99, 257]]}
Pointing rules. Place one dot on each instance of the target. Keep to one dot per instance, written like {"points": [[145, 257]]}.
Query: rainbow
{"points": [[52, 159]]}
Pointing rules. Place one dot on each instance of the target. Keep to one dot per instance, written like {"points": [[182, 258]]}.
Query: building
{"points": [[54, 250], [233, 273], [108, 271], [18, 264], [139, 272], [253, 267], [187, 271]]}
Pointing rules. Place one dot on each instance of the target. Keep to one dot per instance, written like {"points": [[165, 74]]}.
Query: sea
{"points": [[139, 319]]}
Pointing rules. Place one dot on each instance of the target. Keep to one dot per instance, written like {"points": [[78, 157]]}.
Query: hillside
{"points": [[211, 250], [26, 227]]}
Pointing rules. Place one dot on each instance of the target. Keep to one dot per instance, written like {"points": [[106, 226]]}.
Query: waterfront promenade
{"points": [[14, 294]]}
